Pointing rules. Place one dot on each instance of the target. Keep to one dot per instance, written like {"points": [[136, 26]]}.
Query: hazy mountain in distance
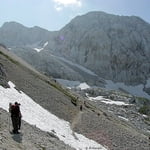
{"points": [[112, 47], [14, 34]]}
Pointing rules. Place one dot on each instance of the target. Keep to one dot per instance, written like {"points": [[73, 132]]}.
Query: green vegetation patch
{"points": [[145, 110]]}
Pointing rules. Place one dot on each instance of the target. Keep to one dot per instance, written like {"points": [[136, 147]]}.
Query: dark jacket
{"points": [[15, 111]]}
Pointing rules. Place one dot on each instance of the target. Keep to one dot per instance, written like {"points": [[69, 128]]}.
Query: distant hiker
{"points": [[15, 116], [81, 108]]}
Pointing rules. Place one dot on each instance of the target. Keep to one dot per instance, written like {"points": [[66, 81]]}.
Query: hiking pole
{"points": [[9, 121], [20, 123]]}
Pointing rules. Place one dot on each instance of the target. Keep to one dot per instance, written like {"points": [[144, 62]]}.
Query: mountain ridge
{"points": [[114, 47], [21, 35]]}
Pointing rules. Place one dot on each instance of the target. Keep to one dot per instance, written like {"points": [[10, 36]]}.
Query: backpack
{"points": [[15, 111]]}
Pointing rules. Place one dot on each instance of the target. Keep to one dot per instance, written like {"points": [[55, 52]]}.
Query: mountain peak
{"points": [[102, 17], [12, 24]]}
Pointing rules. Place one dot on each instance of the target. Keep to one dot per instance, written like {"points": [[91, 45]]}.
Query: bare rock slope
{"points": [[114, 47], [93, 122]]}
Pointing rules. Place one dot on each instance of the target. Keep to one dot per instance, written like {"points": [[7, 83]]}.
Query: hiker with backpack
{"points": [[14, 109]]}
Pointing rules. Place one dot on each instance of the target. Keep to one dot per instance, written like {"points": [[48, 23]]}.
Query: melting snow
{"points": [[40, 49], [107, 101], [73, 84], [34, 114], [45, 44], [114, 102], [83, 86], [145, 116], [123, 118]]}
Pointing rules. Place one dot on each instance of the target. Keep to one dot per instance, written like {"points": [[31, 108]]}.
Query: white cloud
{"points": [[58, 8], [60, 4], [68, 2]]}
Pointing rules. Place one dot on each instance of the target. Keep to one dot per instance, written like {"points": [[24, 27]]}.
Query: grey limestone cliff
{"points": [[114, 47]]}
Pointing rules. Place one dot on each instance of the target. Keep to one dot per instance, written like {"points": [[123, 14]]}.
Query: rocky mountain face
{"points": [[114, 47], [13, 34], [25, 42]]}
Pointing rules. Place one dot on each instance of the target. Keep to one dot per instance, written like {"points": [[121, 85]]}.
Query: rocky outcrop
{"points": [[114, 47], [3, 79]]}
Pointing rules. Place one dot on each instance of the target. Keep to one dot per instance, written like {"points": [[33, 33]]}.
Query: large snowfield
{"points": [[34, 114]]}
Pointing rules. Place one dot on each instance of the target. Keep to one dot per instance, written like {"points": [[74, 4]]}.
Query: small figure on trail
{"points": [[81, 108], [14, 109]]}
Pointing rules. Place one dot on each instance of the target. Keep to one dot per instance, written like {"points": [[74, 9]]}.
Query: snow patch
{"points": [[73, 84], [145, 116], [83, 86], [98, 98], [11, 84], [123, 118], [107, 101], [119, 103], [40, 49], [34, 114], [45, 44]]}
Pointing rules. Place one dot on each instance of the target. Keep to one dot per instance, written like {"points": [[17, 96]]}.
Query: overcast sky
{"points": [[54, 14]]}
